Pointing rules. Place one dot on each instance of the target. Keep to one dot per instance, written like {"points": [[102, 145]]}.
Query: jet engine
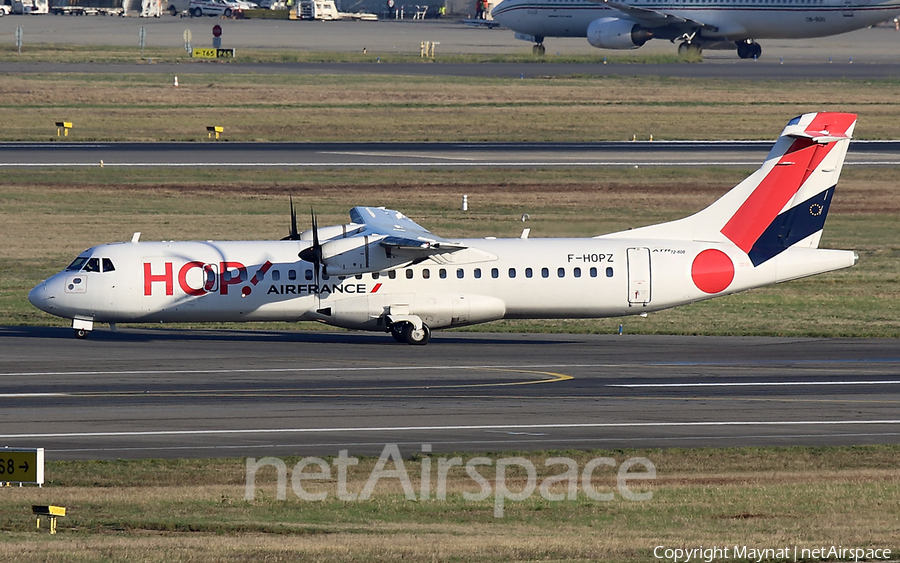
{"points": [[617, 33]]}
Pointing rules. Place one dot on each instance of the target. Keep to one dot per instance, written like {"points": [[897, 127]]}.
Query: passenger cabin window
{"points": [[545, 273], [561, 272], [495, 273], [276, 275], [358, 276], [426, 273], [609, 272], [392, 274], [576, 272], [593, 272], [409, 274], [477, 273], [528, 272], [442, 273], [292, 274], [512, 273], [308, 274], [375, 275], [460, 273], [108, 265]]}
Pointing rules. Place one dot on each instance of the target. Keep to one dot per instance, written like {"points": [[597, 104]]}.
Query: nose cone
{"points": [[41, 297]]}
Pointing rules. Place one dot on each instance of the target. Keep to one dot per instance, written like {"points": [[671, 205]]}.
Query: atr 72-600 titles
{"points": [[696, 24], [383, 272]]}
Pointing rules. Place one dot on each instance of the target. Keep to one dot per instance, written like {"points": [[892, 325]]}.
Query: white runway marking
{"points": [[20, 395], [310, 370], [494, 427], [434, 163], [751, 384]]}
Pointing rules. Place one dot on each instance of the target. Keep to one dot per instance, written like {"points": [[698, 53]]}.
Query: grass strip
{"points": [[176, 510]]}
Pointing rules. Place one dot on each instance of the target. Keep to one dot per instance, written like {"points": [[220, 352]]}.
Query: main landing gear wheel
{"points": [[749, 50], [538, 50], [416, 336], [397, 332], [173, 10], [80, 333], [196, 12]]}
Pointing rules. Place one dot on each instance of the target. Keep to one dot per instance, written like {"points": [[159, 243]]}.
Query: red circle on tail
{"points": [[712, 271]]}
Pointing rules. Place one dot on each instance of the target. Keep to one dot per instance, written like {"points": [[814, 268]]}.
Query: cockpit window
{"points": [[108, 265], [93, 265], [76, 264]]}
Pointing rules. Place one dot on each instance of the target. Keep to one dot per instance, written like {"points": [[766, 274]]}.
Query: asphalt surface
{"points": [[469, 155], [173, 393], [859, 55]]}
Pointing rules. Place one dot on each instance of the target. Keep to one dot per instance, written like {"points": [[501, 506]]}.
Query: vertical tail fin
{"points": [[789, 203], [784, 203]]}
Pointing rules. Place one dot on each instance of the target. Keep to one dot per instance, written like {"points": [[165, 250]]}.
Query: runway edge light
{"points": [[22, 465]]}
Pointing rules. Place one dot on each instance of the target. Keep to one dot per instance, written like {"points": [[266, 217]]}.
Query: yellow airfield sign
{"points": [[212, 53], [22, 465]]}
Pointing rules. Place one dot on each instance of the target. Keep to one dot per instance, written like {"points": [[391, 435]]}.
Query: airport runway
{"points": [[423, 155], [174, 393], [867, 54]]}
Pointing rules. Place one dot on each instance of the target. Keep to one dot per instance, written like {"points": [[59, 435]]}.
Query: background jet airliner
{"points": [[696, 24], [384, 272]]}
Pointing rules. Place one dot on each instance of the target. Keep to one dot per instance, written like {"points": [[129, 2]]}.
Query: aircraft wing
{"points": [[402, 241], [652, 18], [399, 230]]}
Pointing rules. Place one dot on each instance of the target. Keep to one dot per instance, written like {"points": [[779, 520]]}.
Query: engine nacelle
{"points": [[333, 231], [617, 33], [358, 255]]}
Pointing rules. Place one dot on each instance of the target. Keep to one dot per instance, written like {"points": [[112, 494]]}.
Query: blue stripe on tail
{"points": [[791, 227]]}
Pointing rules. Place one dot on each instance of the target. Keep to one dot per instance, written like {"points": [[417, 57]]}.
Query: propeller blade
{"points": [[313, 254], [293, 235]]}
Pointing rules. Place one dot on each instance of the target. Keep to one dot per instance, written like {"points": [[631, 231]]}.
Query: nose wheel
{"points": [[80, 333], [538, 50]]}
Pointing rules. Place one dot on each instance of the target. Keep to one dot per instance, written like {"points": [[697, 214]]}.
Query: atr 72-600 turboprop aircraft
{"points": [[384, 272], [696, 24]]}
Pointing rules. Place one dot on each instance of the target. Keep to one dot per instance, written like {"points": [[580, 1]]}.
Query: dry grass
{"points": [[376, 108], [762, 498]]}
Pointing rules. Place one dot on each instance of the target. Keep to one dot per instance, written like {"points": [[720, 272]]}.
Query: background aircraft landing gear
{"points": [[687, 48], [80, 333], [750, 50], [538, 50]]}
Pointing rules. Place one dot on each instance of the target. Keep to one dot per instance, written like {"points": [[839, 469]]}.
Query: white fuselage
{"points": [[735, 20], [493, 279]]}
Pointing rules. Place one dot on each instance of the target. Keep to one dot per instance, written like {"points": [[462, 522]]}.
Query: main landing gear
{"points": [[688, 48], [408, 333], [748, 49], [538, 48]]}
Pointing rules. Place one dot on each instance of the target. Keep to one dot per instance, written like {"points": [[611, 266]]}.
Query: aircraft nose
{"points": [[41, 296]]}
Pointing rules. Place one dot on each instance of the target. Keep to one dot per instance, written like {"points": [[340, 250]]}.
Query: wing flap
{"points": [[653, 18]]}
